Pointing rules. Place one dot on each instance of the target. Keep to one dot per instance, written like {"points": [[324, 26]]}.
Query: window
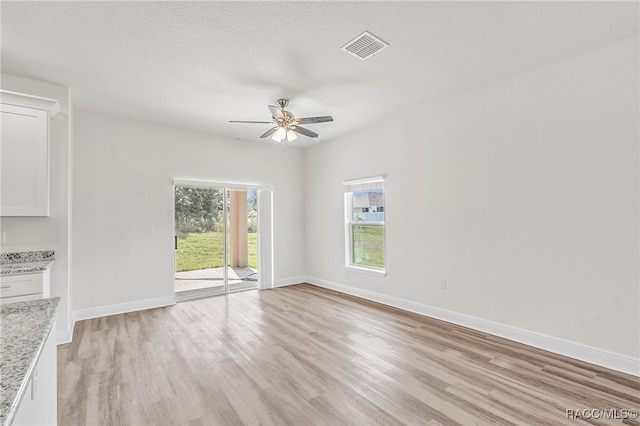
{"points": [[364, 224]]}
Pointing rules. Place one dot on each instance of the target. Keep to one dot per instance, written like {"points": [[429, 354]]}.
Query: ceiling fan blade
{"points": [[304, 131], [276, 112], [269, 132], [312, 120], [257, 122]]}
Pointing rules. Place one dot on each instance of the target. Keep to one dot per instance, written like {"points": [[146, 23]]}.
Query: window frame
{"points": [[359, 185]]}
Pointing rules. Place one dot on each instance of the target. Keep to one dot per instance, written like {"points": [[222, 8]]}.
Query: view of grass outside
{"points": [[199, 221], [368, 245], [204, 250]]}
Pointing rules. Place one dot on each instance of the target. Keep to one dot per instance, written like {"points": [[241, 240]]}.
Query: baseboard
{"points": [[63, 336], [122, 308], [289, 281], [603, 358]]}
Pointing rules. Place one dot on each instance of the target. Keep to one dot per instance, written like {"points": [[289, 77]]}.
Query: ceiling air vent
{"points": [[364, 46]]}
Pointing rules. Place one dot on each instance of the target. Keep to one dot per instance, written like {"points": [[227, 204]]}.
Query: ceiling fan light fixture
{"points": [[285, 124], [280, 134]]}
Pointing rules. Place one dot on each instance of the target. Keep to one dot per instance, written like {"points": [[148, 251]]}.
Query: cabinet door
{"points": [[24, 161], [39, 405]]}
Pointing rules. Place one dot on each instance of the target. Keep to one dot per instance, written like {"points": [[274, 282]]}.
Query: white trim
{"points": [[265, 239], [603, 358], [282, 282], [372, 271], [52, 106], [348, 250], [173, 228], [225, 240], [63, 336], [366, 186], [220, 184], [373, 179], [122, 308]]}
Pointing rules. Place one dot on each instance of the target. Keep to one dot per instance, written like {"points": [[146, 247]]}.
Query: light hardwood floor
{"points": [[302, 355]]}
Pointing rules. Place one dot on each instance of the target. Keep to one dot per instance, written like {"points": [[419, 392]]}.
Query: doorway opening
{"points": [[217, 239]]}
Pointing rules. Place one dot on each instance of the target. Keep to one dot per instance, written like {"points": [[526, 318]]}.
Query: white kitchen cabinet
{"points": [[39, 402], [24, 154], [23, 287]]}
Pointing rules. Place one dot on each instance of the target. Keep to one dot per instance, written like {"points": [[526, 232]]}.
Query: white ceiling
{"points": [[200, 64]]}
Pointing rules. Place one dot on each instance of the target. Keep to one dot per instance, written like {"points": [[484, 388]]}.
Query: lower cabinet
{"points": [[39, 402], [20, 288]]}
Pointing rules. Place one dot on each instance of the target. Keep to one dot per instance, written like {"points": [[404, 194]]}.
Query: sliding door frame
{"points": [[265, 226]]}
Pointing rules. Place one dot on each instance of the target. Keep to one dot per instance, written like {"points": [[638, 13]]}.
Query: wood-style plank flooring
{"points": [[303, 355]]}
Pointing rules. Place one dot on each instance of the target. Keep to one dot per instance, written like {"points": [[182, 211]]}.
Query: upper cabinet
{"points": [[24, 154]]}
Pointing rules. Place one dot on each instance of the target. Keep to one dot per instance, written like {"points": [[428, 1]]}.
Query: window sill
{"points": [[378, 272]]}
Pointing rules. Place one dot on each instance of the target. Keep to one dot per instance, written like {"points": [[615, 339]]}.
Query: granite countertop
{"points": [[25, 328], [24, 268], [28, 262]]}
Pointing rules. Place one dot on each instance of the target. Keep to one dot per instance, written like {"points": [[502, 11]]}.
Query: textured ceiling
{"points": [[199, 64]]}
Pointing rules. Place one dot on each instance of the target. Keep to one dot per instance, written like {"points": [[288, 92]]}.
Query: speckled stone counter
{"points": [[25, 328], [27, 262]]}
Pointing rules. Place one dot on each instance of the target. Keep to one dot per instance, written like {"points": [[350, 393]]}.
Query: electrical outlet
{"points": [[151, 230], [443, 284]]}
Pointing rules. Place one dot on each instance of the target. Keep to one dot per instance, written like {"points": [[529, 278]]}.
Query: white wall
{"points": [[48, 233], [523, 195], [123, 172]]}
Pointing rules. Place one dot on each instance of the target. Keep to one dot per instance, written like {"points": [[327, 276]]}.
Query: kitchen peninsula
{"points": [[28, 362]]}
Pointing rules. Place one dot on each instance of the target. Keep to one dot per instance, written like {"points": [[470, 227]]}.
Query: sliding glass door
{"points": [[242, 238], [216, 240]]}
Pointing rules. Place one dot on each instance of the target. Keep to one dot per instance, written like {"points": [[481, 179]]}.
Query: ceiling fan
{"points": [[286, 125]]}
